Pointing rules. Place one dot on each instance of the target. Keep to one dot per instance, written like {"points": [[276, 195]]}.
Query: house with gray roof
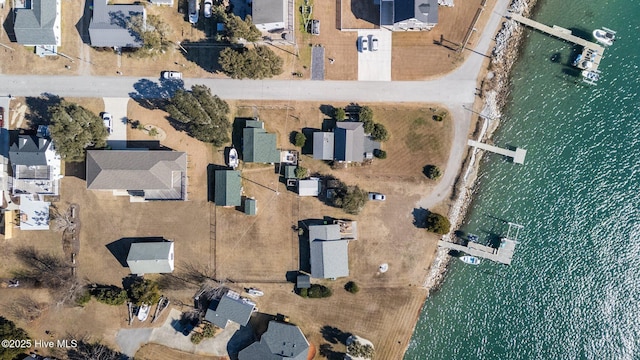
{"points": [[141, 174], [269, 15], [38, 25], [227, 188], [403, 15], [230, 307], [328, 243], [151, 257], [280, 341], [258, 145], [109, 26], [349, 141], [323, 145], [35, 164]]}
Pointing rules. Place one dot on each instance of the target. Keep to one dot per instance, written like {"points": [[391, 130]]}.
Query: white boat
{"points": [[604, 36], [232, 161], [255, 292], [143, 312], [468, 259]]}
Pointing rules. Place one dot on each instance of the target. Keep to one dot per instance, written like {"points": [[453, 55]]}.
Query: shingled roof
{"points": [[258, 145], [35, 26], [281, 341], [109, 25], [160, 174], [229, 308]]}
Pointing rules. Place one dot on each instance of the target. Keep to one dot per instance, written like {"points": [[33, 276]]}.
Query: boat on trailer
{"points": [[233, 158], [604, 36], [471, 260], [143, 312]]}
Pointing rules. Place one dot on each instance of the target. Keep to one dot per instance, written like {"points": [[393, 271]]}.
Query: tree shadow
{"points": [[39, 109], [307, 149], [334, 335], [76, 169], [328, 110], [292, 137], [154, 95], [420, 217], [205, 53], [327, 351], [237, 131]]}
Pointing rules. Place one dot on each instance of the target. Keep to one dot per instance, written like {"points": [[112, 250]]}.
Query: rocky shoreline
{"points": [[496, 90]]}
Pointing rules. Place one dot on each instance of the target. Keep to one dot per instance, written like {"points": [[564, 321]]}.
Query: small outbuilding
{"points": [[309, 187], [250, 206], [151, 257], [227, 188]]}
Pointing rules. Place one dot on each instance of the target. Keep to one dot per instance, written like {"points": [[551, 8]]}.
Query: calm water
{"points": [[573, 291]]}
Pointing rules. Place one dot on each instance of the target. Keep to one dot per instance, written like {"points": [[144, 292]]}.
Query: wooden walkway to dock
{"points": [[589, 48], [518, 155], [502, 255]]}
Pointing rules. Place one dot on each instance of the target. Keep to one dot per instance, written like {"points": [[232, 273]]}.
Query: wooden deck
{"points": [[518, 155], [502, 255], [590, 49]]}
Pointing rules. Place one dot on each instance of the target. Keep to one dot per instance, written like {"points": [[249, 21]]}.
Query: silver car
{"points": [[171, 75], [374, 196]]}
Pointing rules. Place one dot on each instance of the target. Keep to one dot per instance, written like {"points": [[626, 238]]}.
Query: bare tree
{"points": [[62, 220], [27, 309]]}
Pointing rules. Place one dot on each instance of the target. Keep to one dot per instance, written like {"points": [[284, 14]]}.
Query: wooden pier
{"points": [[591, 53], [518, 155], [502, 255]]}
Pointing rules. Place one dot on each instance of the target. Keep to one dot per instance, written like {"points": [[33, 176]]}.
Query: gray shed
{"points": [[151, 257], [250, 206]]}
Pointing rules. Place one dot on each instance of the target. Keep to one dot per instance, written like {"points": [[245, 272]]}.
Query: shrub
{"points": [[380, 154], [301, 172], [437, 223], [111, 295], [365, 114], [352, 287], [153, 132], [339, 114], [300, 139], [208, 331], [304, 292], [432, 172], [83, 298], [144, 291], [319, 291], [379, 132]]}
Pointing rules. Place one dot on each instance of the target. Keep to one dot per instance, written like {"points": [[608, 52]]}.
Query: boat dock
{"points": [[518, 155], [591, 51], [502, 255]]}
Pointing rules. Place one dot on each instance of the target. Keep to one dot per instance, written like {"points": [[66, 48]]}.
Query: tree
{"points": [[236, 28], [204, 115], [74, 129], [380, 154], [144, 292], [110, 295], [356, 349], [257, 63], [437, 223], [352, 287], [9, 331], [432, 172], [154, 34], [301, 172], [300, 139], [379, 132], [365, 114], [318, 291], [350, 199], [339, 114]]}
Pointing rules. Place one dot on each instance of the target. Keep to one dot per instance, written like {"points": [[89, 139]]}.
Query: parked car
{"points": [[107, 119], [194, 9], [374, 196], [315, 27], [172, 75], [1, 116], [374, 43], [364, 43], [207, 8]]}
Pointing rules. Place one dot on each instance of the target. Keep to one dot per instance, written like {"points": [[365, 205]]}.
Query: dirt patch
{"points": [[155, 351]]}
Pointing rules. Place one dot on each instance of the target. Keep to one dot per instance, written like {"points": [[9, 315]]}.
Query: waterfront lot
{"points": [[259, 251]]}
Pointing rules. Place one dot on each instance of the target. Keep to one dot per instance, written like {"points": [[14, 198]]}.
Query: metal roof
{"points": [[227, 188], [35, 26], [109, 25], [134, 170], [324, 232], [280, 341], [309, 187], [250, 206], [329, 259], [229, 308], [323, 145], [349, 141], [151, 257], [303, 281], [259, 146], [268, 11]]}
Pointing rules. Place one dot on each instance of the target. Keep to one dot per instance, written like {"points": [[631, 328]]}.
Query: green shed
{"points": [[227, 188], [250, 206]]}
